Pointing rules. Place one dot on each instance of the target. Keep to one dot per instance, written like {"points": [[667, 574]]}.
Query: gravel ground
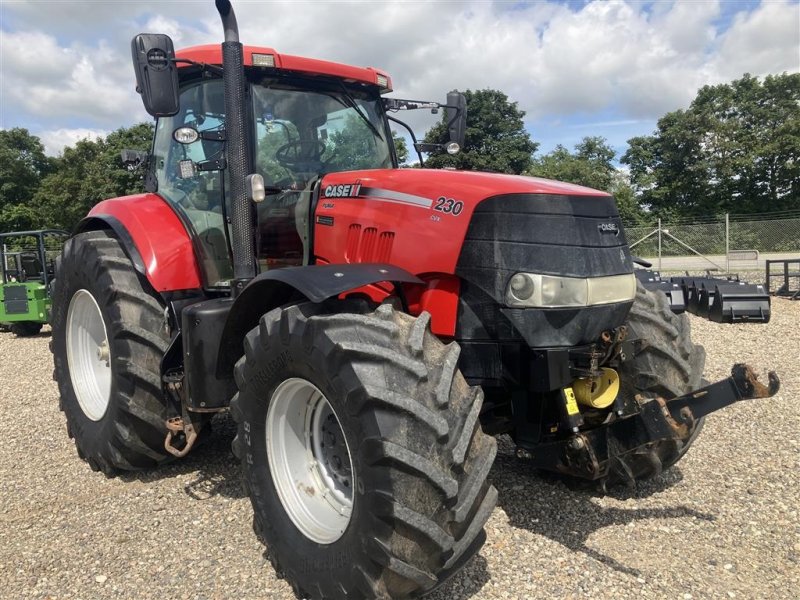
{"points": [[724, 523]]}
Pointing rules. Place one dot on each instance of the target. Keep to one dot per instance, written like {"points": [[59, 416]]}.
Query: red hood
{"points": [[468, 186], [421, 215]]}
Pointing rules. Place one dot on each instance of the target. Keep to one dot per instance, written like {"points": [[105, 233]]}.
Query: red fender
{"points": [[149, 227]]}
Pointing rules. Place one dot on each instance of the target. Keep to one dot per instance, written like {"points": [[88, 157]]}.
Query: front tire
{"points": [[669, 365], [109, 335], [410, 472]]}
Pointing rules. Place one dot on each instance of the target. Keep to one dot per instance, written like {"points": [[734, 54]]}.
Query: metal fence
{"points": [[727, 243]]}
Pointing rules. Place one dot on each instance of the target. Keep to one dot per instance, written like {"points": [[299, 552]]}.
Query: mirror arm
{"points": [[205, 66], [413, 137], [428, 148], [212, 164]]}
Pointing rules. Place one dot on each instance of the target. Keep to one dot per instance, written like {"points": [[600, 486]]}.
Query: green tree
{"points": [[627, 203], [496, 139], [22, 165], [400, 148], [735, 149], [89, 172], [591, 165]]}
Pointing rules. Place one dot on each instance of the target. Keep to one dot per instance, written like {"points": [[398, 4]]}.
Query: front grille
{"points": [[15, 299], [572, 236]]}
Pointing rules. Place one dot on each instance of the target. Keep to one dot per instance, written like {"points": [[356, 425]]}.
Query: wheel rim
{"points": [[309, 460], [88, 355]]}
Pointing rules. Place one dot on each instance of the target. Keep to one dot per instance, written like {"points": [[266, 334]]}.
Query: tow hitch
{"points": [[680, 414], [595, 453]]}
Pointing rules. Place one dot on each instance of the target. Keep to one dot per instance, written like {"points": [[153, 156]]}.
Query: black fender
{"points": [[100, 222], [293, 284]]}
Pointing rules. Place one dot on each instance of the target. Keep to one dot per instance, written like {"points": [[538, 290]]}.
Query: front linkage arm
{"points": [[591, 454]]}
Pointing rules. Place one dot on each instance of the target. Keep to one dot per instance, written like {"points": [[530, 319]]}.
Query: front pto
{"points": [[634, 431]]}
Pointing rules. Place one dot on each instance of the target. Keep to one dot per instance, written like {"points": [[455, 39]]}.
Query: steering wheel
{"points": [[300, 153]]}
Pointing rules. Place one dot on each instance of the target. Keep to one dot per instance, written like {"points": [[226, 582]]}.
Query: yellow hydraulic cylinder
{"points": [[597, 392]]}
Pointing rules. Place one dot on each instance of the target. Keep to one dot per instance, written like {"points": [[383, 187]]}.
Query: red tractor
{"points": [[370, 327]]}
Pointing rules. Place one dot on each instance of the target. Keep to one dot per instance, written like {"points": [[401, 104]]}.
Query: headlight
{"points": [[528, 290]]}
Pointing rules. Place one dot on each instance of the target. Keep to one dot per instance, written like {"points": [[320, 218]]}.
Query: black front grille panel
{"points": [[572, 236]]}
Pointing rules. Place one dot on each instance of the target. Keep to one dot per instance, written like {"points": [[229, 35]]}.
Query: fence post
{"points": [[727, 243], [659, 244]]}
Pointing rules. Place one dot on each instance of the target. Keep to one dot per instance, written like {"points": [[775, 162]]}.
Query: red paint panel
{"points": [[159, 236], [212, 54], [440, 299]]}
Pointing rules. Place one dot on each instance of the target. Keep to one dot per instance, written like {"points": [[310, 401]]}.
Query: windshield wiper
{"points": [[351, 103]]}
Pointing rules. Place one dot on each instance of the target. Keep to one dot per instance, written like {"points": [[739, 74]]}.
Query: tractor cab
{"points": [[304, 126], [302, 119]]}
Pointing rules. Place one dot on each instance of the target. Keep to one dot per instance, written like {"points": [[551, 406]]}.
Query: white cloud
{"points": [[49, 81], [56, 140], [631, 60], [764, 41]]}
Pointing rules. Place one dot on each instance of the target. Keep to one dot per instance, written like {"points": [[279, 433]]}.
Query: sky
{"points": [[577, 68]]}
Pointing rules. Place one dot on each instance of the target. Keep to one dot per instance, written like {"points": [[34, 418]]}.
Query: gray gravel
{"points": [[724, 523]]}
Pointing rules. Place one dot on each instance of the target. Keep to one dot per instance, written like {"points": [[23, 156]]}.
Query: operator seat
{"points": [[31, 265]]}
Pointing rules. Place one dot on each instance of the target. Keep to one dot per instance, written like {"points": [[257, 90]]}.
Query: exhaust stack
{"points": [[237, 151]]}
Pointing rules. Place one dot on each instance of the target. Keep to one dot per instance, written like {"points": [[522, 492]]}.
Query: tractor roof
{"points": [[268, 57]]}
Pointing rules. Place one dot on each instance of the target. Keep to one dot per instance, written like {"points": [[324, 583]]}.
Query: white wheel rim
{"points": [[309, 460], [88, 355]]}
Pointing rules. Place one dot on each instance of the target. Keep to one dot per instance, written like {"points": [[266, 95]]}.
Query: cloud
{"points": [[50, 82], [57, 139], [70, 64], [764, 41]]}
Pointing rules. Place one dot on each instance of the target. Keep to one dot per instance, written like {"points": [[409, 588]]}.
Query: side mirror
{"points": [[156, 73], [456, 114]]}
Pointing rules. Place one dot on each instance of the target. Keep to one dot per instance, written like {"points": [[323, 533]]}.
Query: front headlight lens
{"points": [[521, 286], [564, 291], [530, 290]]}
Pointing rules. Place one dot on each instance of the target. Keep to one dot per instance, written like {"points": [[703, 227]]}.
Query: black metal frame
{"points": [[39, 234], [787, 275]]}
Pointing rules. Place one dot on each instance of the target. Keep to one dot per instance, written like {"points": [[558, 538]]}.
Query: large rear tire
{"points": [[670, 365], [400, 457], [109, 334]]}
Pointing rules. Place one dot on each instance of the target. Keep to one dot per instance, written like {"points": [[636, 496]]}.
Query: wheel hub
{"points": [[88, 355], [309, 460]]}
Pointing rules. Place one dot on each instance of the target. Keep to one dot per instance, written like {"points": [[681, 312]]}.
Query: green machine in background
{"points": [[27, 259]]}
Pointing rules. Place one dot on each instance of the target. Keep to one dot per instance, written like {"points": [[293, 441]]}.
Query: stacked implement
{"points": [[718, 299], [673, 291]]}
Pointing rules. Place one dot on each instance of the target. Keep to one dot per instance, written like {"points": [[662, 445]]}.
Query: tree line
{"points": [[736, 149]]}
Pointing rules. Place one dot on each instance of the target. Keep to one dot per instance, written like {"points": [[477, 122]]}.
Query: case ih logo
{"points": [[342, 191], [608, 228]]}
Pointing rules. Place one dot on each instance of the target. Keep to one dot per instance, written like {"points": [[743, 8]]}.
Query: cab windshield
{"points": [[303, 133]]}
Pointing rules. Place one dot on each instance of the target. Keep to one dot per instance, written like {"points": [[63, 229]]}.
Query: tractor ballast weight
{"points": [[368, 326]]}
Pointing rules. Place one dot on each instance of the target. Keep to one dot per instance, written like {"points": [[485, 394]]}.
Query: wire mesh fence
{"points": [[726, 243]]}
